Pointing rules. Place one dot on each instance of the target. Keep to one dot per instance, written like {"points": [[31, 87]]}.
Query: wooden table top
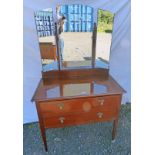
{"points": [[48, 89]]}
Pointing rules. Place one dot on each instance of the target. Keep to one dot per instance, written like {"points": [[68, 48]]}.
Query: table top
{"points": [[75, 88]]}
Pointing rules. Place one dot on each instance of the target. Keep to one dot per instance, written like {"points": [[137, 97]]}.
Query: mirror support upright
{"points": [[57, 43], [94, 45]]}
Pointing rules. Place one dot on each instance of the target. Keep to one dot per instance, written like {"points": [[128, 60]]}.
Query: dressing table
{"points": [[71, 95]]}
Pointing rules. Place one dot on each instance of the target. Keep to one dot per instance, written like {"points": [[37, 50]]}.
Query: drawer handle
{"points": [[62, 120], [101, 102], [61, 106], [100, 114]]}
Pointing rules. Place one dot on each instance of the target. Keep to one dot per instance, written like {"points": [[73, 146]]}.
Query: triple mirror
{"points": [[69, 39]]}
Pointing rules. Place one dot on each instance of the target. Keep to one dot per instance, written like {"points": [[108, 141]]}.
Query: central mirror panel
{"points": [[75, 26]]}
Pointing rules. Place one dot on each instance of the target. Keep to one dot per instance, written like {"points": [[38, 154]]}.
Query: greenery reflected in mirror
{"points": [[104, 36]]}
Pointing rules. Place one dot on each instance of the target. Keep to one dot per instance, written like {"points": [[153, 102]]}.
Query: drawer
{"points": [[95, 115], [48, 51], [112, 109], [78, 105]]}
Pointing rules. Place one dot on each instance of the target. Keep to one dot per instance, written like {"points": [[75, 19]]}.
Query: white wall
{"points": [[120, 59], [120, 54]]}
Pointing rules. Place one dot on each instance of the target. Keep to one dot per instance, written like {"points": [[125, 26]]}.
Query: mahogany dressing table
{"points": [[66, 97]]}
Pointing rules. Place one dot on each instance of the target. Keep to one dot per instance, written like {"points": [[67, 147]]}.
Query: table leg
{"points": [[114, 131], [42, 128], [43, 134]]}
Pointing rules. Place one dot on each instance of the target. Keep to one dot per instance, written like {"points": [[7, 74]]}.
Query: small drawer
{"points": [[106, 101], [52, 108]]}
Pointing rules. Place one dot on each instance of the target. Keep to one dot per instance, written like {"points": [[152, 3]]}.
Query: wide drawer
{"points": [[78, 105], [96, 115]]}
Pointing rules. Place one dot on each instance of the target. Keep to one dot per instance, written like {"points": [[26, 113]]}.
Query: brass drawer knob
{"points": [[101, 102], [61, 120], [61, 106], [100, 114]]}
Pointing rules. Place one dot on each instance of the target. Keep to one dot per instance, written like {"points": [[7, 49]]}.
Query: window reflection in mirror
{"points": [[75, 26], [104, 37], [45, 30]]}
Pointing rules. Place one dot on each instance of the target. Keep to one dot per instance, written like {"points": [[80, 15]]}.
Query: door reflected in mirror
{"points": [[104, 36]]}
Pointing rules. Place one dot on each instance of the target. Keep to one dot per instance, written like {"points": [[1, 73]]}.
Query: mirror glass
{"points": [[45, 27], [75, 26], [66, 33], [105, 24]]}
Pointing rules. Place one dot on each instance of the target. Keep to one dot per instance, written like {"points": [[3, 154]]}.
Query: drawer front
{"points": [[74, 106], [48, 51], [96, 115]]}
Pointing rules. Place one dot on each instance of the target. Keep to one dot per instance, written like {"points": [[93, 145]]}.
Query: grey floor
{"points": [[92, 139]]}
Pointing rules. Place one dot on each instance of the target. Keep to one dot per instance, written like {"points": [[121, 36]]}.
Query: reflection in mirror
{"points": [[45, 30], [104, 37], [53, 92], [75, 26], [72, 42], [82, 89]]}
